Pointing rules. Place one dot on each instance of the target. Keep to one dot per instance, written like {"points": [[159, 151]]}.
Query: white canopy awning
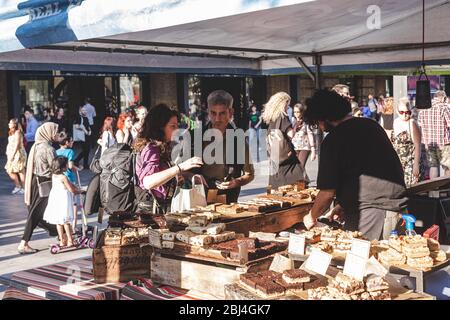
{"points": [[237, 37]]}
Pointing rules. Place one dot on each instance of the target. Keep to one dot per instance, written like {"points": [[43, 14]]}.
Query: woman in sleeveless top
{"points": [[406, 138], [16, 156], [124, 128]]}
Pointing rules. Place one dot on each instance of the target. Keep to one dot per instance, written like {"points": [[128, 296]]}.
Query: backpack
{"points": [[279, 147], [117, 192]]}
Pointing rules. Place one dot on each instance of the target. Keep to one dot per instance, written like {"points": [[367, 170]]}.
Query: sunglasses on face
{"points": [[405, 112]]}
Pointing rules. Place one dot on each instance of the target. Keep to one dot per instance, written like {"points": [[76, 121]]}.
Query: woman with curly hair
{"points": [[285, 168], [154, 168], [124, 128]]}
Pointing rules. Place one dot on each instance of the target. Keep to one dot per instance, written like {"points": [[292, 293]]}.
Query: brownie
{"points": [[296, 274], [269, 287], [252, 243], [268, 274], [316, 283], [250, 279], [288, 286], [257, 208]]}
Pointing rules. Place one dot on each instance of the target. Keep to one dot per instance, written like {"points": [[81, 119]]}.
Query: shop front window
{"points": [[130, 92], [35, 94]]}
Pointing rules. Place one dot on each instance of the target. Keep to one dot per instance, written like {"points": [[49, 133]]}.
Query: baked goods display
{"points": [[414, 251], [329, 240], [270, 284], [264, 205], [256, 248], [139, 220], [233, 208], [344, 287], [128, 236], [392, 257], [293, 193]]}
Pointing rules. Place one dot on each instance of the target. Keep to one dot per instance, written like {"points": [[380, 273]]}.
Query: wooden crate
{"points": [[113, 264], [271, 222], [201, 274]]}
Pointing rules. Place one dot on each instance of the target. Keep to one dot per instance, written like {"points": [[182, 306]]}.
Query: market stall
{"points": [[255, 250], [429, 202]]}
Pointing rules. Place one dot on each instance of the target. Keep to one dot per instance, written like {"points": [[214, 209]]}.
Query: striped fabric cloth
{"points": [[13, 294], [74, 280], [144, 289], [71, 280]]}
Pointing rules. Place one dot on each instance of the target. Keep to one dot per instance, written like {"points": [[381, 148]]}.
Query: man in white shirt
{"points": [[90, 111]]}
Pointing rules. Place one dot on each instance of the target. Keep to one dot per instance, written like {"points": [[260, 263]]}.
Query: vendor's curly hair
{"points": [[326, 105], [153, 130]]}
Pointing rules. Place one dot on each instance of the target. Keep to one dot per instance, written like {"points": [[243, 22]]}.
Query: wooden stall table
{"points": [[271, 222]]}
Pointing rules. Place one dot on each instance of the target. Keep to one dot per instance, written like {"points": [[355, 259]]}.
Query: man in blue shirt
{"points": [[32, 126]]}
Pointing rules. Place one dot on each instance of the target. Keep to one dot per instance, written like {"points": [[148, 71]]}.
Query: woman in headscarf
{"points": [[38, 173]]}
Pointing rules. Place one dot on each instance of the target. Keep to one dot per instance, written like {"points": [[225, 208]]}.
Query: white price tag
{"points": [[318, 262], [281, 264], [297, 244], [361, 248], [355, 266]]}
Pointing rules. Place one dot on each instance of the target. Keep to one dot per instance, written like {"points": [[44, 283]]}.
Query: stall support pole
{"points": [[317, 60], [306, 68]]}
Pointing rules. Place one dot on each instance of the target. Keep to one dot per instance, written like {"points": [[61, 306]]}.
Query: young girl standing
{"points": [[59, 210]]}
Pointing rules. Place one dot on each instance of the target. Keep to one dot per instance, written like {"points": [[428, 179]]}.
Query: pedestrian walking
{"points": [[38, 184], [16, 156]]}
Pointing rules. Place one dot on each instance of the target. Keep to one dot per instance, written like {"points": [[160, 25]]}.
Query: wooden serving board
{"points": [[201, 254], [273, 222], [247, 214]]}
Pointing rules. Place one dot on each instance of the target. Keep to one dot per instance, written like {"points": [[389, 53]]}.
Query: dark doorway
{"points": [[81, 87]]}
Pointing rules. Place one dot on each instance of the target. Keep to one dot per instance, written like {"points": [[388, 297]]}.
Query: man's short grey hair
{"points": [[340, 87], [440, 94], [220, 97]]}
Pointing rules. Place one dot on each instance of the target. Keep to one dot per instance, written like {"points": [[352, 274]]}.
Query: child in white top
{"points": [[59, 209]]}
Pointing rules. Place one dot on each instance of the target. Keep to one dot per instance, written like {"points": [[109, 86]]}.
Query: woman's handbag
{"points": [[78, 133], [187, 199], [95, 166], [44, 187]]}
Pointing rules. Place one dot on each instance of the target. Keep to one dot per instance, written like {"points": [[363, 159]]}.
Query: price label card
{"points": [[361, 248], [297, 244], [318, 262], [355, 266], [281, 264]]}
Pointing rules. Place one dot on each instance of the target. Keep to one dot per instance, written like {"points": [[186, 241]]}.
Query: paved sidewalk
{"points": [[13, 215]]}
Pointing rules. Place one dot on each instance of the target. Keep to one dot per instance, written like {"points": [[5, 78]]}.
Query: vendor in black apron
{"points": [[358, 166], [235, 170]]}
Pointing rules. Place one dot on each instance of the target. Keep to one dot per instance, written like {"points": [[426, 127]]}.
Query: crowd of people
{"points": [[364, 166]]}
